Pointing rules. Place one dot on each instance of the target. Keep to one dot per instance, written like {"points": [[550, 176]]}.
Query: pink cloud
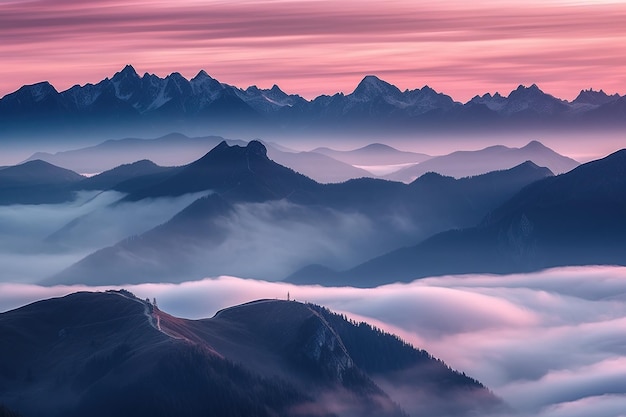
{"points": [[550, 342]]}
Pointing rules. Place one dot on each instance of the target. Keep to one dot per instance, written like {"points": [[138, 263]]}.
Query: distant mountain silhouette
{"points": [[234, 175], [117, 178], [128, 103], [241, 173], [467, 163], [36, 182], [374, 154], [321, 168], [577, 218], [177, 149], [170, 150], [110, 353], [594, 97]]}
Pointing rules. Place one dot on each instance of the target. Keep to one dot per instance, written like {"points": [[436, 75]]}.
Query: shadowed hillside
{"points": [[113, 354]]}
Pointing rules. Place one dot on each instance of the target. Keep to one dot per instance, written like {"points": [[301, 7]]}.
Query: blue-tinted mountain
{"points": [[37, 182], [467, 163], [269, 100], [577, 218], [531, 102], [103, 354], [233, 176], [177, 149], [608, 112], [376, 104], [37, 104], [130, 104], [593, 97], [174, 149], [142, 173], [373, 154], [241, 173], [317, 166]]}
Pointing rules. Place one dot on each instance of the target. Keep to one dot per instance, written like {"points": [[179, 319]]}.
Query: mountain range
{"points": [[374, 154], [247, 199], [325, 165], [244, 185], [179, 208], [128, 103], [467, 163], [176, 149], [577, 218], [103, 354]]}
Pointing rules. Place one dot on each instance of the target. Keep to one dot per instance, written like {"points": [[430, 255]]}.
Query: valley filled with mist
{"points": [[293, 272]]}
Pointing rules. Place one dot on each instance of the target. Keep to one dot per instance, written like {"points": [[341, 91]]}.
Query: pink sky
{"points": [[320, 47]]}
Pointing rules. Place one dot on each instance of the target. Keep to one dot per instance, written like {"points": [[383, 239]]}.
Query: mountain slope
{"points": [[577, 218], [36, 182], [264, 358], [176, 149], [284, 221], [467, 163], [319, 167], [241, 173], [112, 178], [170, 150], [374, 154]]}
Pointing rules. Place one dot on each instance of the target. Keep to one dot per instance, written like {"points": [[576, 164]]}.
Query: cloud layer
{"points": [[39, 240], [550, 343], [314, 47]]}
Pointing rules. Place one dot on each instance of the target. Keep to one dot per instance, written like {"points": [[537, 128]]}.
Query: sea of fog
{"points": [[551, 343]]}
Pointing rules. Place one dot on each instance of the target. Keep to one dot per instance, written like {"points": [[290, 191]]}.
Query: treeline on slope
{"points": [[365, 343]]}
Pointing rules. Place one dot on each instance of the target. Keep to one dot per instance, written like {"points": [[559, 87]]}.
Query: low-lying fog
{"points": [[276, 238], [550, 343], [37, 240]]}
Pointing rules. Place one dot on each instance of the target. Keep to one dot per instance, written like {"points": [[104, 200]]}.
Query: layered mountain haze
{"points": [[282, 220], [242, 173], [170, 150], [266, 357], [575, 218], [150, 105], [176, 149], [375, 158], [467, 163], [317, 166], [323, 164], [85, 231], [312, 208]]}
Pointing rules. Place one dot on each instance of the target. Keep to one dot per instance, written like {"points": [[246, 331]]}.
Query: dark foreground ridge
{"points": [[103, 354]]}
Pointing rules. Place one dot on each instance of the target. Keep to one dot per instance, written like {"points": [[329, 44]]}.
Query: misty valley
{"points": [[195, 274], [146, 223]]}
